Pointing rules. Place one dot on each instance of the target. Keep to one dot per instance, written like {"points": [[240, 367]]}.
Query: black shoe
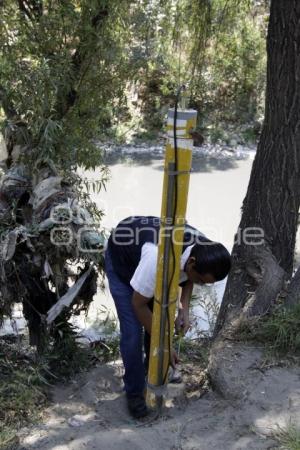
{"points": [[137, 405]]}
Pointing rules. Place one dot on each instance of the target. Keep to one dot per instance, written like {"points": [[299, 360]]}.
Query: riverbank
{"points": [[90, 412], [153, 150]]}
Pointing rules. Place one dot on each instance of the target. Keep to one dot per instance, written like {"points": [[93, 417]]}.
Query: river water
{"points": [[217, 187]]}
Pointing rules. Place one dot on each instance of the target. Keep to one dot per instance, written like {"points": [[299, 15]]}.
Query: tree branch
{"points": [[67, 101], [9, 109], [24, 9], [32, 9]]}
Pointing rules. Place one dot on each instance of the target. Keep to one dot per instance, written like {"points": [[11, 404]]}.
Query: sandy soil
{"points": [[90, 413]]}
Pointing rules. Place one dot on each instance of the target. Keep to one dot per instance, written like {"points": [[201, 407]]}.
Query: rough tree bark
{"points": [[272, 200]]}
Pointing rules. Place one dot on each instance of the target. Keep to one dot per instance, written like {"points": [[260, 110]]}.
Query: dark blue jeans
{"points": [[131, 341]]}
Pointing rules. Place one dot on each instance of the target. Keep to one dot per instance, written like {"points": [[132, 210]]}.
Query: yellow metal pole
{"points": [[174, 199]]}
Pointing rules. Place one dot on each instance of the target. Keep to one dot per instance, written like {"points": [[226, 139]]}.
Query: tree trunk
{"points": [[272, 200]]}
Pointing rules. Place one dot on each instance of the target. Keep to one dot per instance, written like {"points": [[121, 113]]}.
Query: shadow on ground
{"points": [[90, 413], [201, 163]]}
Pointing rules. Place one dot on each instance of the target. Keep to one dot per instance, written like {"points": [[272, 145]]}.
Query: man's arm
{"points": [[144, 315], [183, 317], [186, 294], [142, 310]]}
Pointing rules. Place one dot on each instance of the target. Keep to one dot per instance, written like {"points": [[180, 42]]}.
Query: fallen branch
{"points": [[66, 300]]}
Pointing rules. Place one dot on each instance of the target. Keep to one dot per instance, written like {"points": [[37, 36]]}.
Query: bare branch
{"points": [[32, 9], [24, 9]]}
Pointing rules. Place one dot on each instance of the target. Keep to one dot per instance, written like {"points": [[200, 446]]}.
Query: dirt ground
{"points": [[90, 413]]}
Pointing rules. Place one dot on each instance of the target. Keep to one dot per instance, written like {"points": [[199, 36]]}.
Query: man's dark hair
{"points": [[211, 257]]}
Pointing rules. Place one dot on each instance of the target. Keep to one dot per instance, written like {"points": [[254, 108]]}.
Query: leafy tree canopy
{"points": [[62, 73], [69, 69]]}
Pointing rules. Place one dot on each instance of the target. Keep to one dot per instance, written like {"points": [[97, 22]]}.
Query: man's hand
{"points": [[174, 359], [182, 322]]}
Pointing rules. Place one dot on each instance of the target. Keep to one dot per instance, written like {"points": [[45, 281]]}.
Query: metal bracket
{"points": [[177, 172], [165, 305], [159, 391]]}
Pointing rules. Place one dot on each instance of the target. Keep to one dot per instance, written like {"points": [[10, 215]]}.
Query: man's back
{"points": [[127, 239]]}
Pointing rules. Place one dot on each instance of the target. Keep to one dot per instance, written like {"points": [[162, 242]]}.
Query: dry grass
{"points": [[280, 331], [25, 380], [23, 391], [288, 438]]}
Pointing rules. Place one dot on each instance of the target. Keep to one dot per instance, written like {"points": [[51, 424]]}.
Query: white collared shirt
{"points": [[144, 277]]}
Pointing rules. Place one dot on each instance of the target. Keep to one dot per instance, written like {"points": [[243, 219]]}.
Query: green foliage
{"points": [[192, 350], [106, 324], [280, 331], [25, 379], [66, 356], [75, 71], [8, 439], [217, 48], [63, 73], [250, 134], [289, 438], [236, 75], [23, 392], [107, 349]]}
